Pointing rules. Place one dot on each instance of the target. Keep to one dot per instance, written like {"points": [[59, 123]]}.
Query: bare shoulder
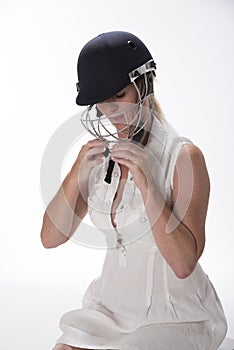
{"points": [[191, 156], [193, 151], [192, 160], [190, 194]]}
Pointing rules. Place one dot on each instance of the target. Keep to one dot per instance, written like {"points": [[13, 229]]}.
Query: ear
{"points": [[141, 85], [150, 79]]}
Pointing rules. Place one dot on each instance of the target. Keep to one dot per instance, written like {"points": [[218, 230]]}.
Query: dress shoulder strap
{"points": [[175, 148]]}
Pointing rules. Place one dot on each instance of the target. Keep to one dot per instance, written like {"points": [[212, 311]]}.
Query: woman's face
{"points": [[121, 108]]}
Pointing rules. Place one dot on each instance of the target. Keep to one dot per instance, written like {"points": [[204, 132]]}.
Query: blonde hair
{"points": [[156, 108], [152, 101]]}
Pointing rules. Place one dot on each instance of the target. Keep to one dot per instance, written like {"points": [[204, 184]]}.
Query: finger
{"points": [[95, 162], [123, 161], [96, 143], [96, 151], [128, 146], [126, 154]]}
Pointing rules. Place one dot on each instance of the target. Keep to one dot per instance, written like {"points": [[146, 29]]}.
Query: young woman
{"points": [[149, 195]]}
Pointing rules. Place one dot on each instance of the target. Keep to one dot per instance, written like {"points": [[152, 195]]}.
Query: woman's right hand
{"points": [[90, 155], [59, 221]]}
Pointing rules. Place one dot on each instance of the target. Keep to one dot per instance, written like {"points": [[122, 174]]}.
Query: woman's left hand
{"points": [[136, 158]]}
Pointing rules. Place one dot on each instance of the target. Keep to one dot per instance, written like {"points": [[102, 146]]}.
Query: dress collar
{"points": [[157, 137]]}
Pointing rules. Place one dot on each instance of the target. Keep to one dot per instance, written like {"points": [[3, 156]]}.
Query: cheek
{"points": [[133, 97], [108, 108]]}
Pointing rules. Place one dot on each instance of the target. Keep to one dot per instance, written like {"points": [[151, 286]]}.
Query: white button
{"points": [[116, 174], [123, 259], [122, 256], [120, 240], [108, 202], [143, 219]]}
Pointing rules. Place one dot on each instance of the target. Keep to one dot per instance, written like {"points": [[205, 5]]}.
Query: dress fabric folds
{"points": [[137, 302]]}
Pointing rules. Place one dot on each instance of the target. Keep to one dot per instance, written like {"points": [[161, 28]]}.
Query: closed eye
{"points": [[120, 95]]}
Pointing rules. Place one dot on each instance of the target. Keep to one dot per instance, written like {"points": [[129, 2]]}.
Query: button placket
{"points": [[150, 277], [109, 197], [127, 197], [121, 249], [123, 257], [111, 188], [128, 193]]}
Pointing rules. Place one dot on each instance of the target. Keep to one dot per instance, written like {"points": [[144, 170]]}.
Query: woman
{"points": [[149, 197]]}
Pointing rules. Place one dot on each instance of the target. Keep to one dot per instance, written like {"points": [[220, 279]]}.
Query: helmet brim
{"points": [[108, 92]]}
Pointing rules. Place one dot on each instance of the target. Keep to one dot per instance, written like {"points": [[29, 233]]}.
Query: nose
{"points": [[109, 106], [113, 107]]}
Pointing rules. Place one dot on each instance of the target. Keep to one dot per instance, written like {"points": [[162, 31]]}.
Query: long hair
{"points": [[153, 102], [156, 108]]}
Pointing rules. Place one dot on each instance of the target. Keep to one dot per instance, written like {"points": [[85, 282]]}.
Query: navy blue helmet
{"points": [[108, 63]]}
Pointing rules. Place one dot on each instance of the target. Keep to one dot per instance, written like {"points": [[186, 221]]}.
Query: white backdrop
{"points": [[192, 44]]}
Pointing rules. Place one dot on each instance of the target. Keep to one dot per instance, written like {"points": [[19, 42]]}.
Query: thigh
{"points": [[183, 336], [68, 347], [74, 348]]}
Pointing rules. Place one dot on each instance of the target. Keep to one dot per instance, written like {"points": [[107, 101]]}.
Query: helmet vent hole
{"points": [[131, 45]]}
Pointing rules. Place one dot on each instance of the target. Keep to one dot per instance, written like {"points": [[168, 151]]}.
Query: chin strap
{"points": [[139, 138], [109, 171]]}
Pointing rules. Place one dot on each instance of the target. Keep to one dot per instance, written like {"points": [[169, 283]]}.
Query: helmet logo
{"points": [[131, 45]]}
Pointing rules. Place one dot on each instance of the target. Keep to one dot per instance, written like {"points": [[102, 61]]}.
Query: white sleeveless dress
{"points": [[138, 303]]}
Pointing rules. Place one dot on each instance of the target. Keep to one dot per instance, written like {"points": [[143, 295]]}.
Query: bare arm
{"points": [[58, 224], [179, 234], [69, 206], [184, 245]]}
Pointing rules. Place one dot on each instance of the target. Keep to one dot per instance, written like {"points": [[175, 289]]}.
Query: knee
{"points": [[62, 347], [67, 347]]}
